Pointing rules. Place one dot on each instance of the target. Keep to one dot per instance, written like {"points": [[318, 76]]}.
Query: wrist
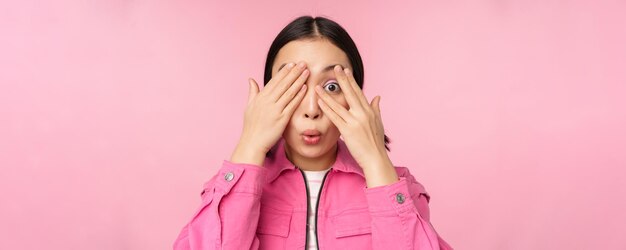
{"points": [[380, 172], [246, 154], [376, 160]]}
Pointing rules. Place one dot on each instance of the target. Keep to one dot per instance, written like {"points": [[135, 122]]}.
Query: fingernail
{"points": [[290, 65]]}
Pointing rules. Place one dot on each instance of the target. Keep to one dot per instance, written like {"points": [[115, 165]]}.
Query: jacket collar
{"points": [[277, 161]]}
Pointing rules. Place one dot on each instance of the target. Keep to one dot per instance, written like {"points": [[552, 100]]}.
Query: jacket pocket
{"points": [[275, 220], [352, 222]]}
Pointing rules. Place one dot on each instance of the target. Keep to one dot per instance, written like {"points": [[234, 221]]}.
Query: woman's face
{"points": [[320, 56]]}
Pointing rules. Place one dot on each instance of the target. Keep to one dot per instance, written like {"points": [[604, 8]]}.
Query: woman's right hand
{"points": [[268, 112]]}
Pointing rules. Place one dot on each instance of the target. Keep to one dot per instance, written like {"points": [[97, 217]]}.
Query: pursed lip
{"points": [[311, 132]]}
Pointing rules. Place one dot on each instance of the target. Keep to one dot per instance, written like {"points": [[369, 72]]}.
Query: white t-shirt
{"points": [[314, 182]]}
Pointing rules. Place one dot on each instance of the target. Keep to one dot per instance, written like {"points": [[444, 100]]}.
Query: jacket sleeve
{"points": [[229, 211], [401, 217]]}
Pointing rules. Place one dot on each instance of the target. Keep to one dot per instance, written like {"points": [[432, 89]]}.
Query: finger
{"points": [[334, 117], [376, 105], [353, 102], [286, 82], [335, 106], [293, 89], [357, 90], [279, 76], [294, 102], [253, 89]]}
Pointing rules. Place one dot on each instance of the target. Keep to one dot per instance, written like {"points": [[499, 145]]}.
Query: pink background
{"points": [[114, 113]]}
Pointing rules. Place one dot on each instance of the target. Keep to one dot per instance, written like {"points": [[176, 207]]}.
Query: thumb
{"points": [[376, 104], [253, 89]]}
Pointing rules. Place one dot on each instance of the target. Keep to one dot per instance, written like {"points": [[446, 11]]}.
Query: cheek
{"points": [[290, 127], [342, 100], [290, 132], [333, 132]]}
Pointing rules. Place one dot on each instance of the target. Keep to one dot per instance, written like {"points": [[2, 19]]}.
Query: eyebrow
{"points": [[328, 68]]}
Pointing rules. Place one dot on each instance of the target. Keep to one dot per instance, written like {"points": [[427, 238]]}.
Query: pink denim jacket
{"points": [[245, 206]]}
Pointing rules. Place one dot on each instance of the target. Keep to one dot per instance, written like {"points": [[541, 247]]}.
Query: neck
{"points": [[320, 163]]}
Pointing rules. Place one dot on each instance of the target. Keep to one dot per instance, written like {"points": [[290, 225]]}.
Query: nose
{"points": [[311, 109]]}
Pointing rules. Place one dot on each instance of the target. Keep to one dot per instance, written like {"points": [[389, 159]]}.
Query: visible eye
{"points": [[332, 87]]}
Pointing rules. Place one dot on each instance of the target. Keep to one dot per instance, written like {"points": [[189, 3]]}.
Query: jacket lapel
{"points": [[277, 161]]}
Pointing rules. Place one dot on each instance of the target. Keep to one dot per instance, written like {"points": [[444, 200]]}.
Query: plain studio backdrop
{"points": [[511, 113]]}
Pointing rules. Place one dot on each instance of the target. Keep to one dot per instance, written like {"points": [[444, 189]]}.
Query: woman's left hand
{"points": [[361, 126]]}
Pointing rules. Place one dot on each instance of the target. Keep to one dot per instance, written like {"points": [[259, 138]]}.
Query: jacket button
{"points": [[229, 176], [400, 198]]}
